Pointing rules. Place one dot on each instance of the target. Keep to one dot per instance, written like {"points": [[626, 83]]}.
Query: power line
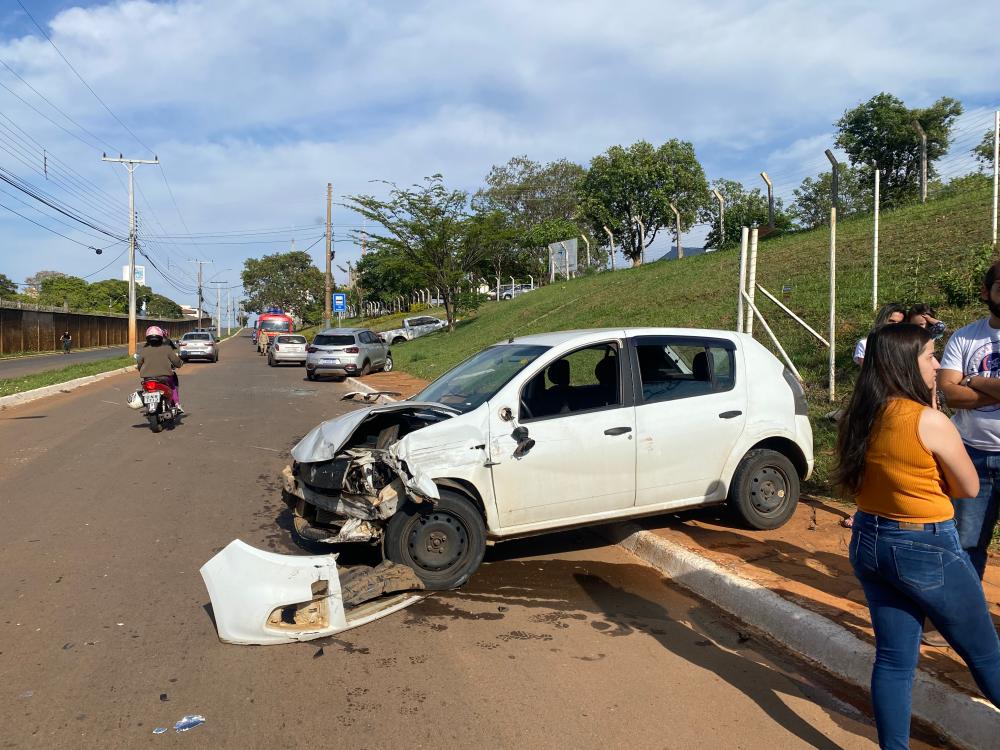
{"points": [[77, 74]]}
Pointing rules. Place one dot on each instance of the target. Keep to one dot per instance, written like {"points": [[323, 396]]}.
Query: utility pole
{"points": [[218, 307], [677, 229], [722, 216], [201, 297], [328, 302], [130, 165], [923, 161], [770, 201]]}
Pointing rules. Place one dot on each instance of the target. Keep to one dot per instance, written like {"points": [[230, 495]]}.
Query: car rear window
{"points": [[333, 339], [291, 339], [196, 337]]}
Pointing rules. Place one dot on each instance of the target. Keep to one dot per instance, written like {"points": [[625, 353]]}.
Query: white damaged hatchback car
{"points": [[553, 431]]}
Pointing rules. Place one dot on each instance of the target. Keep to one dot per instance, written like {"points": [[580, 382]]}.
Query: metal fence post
{"points": [[751, 280], [611, 240], [875, 245], [833, 274], [770, 204], [744, 235], [996, 159]]}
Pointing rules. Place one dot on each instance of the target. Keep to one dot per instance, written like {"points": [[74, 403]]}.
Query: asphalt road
{"points": [[558, 641], [16, 367]]}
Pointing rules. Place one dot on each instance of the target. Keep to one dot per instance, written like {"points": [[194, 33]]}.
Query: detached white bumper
{"points": [[264, 598]]}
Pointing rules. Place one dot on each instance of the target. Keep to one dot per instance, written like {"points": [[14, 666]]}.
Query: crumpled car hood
{"points": [[324, 440]]}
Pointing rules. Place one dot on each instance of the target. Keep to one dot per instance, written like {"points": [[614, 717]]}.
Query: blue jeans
{"points": [[908, 574], [976, 516]]}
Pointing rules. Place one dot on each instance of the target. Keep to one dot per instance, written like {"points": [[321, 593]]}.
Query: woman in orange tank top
{"points": [[902, 459]]}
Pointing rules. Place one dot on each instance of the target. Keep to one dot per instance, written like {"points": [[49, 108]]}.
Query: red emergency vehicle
{"points": [[269, 324]]}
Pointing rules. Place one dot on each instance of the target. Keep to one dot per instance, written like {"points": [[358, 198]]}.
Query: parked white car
{"points": [[413, 328], [553, 431]]}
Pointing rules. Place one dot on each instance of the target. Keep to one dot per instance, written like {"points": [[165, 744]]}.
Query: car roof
{"points": [[557, 338], [334, 331]]}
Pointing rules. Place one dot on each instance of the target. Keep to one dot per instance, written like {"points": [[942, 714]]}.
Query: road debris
{"points": [[160, 730], [264, 598], [188, 722]]}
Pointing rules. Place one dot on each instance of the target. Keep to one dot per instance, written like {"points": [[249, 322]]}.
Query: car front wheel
{"points": [[443, 543], [387, 367], [765, 489]]}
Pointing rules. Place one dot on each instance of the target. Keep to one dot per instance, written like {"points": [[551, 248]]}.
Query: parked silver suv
{"points": [[346, 351]]}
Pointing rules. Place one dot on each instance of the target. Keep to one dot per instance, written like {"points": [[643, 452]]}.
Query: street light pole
{"points": [[130, 165], [722, 216]]}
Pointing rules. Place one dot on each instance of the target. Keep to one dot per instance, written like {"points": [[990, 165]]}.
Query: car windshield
{"points": [[480, 377], [274, 325], [333, 340], [291, 339], [196, 337]]}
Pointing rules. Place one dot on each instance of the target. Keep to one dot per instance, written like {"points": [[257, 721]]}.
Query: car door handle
{"points": [[730, 414], [617, 430]]}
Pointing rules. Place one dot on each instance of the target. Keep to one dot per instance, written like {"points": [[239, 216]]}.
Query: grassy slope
{"points": [[916, 244]]}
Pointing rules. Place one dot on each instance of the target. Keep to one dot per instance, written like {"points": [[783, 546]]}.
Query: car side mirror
{"points": [[506, 414], [524, 443]]}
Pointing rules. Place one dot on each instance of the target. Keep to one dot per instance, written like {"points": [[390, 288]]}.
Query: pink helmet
{"points": [[155, 331]]}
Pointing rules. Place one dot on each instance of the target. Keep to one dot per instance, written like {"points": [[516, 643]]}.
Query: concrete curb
{"points": [[968, 722], [25, 397]]}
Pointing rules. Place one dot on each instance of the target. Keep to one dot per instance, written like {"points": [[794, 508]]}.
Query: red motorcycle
{"points": [[158, 401]]}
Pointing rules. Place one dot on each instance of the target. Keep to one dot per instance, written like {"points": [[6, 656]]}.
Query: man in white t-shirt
{"points": [[969, 378]]}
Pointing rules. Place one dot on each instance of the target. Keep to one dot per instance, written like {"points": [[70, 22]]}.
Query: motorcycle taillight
{"points": [[352, 350], [149, 385]]}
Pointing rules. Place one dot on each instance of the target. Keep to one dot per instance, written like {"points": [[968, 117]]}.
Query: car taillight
{"points": [[312, 349], [351, 350], [277, 348]]}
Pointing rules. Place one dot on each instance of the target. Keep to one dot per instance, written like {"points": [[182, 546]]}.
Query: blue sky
{"points": [[252, 106]]}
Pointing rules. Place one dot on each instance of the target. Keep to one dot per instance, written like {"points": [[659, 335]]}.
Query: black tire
{"points": [[154, 423], [765, 489], [387, 367], [310, 375], [216, 357], [398, 340], [366, 368], [444, 544], [270, 361]]}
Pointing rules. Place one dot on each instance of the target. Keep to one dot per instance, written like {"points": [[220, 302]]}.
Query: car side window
{"points": [[671, 369], [583, 380], [366, 338]]}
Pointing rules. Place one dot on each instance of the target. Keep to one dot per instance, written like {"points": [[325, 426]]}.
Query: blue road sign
{"points": [[339, 302]]}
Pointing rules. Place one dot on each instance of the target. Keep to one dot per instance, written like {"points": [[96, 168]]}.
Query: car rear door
{"points": [[690, 412]]}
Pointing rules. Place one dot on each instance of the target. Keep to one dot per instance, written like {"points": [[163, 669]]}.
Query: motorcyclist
{"points": [[158, 360]]}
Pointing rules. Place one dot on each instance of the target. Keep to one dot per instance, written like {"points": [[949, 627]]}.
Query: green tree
{"points": [[110, 295], [59, 290], [493, 236], [881, 132], [984, 151], [530, 193], [814, 197], [385, 274], [7, 287], [640, 182], [743, 208], [286, 280], [426, 225], [33, 284]]}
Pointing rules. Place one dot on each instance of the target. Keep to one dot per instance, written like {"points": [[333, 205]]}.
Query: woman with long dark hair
{"points": [[902, 459]]}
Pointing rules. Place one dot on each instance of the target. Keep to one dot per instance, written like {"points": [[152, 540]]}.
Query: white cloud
{"points": [[254, 105]]}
